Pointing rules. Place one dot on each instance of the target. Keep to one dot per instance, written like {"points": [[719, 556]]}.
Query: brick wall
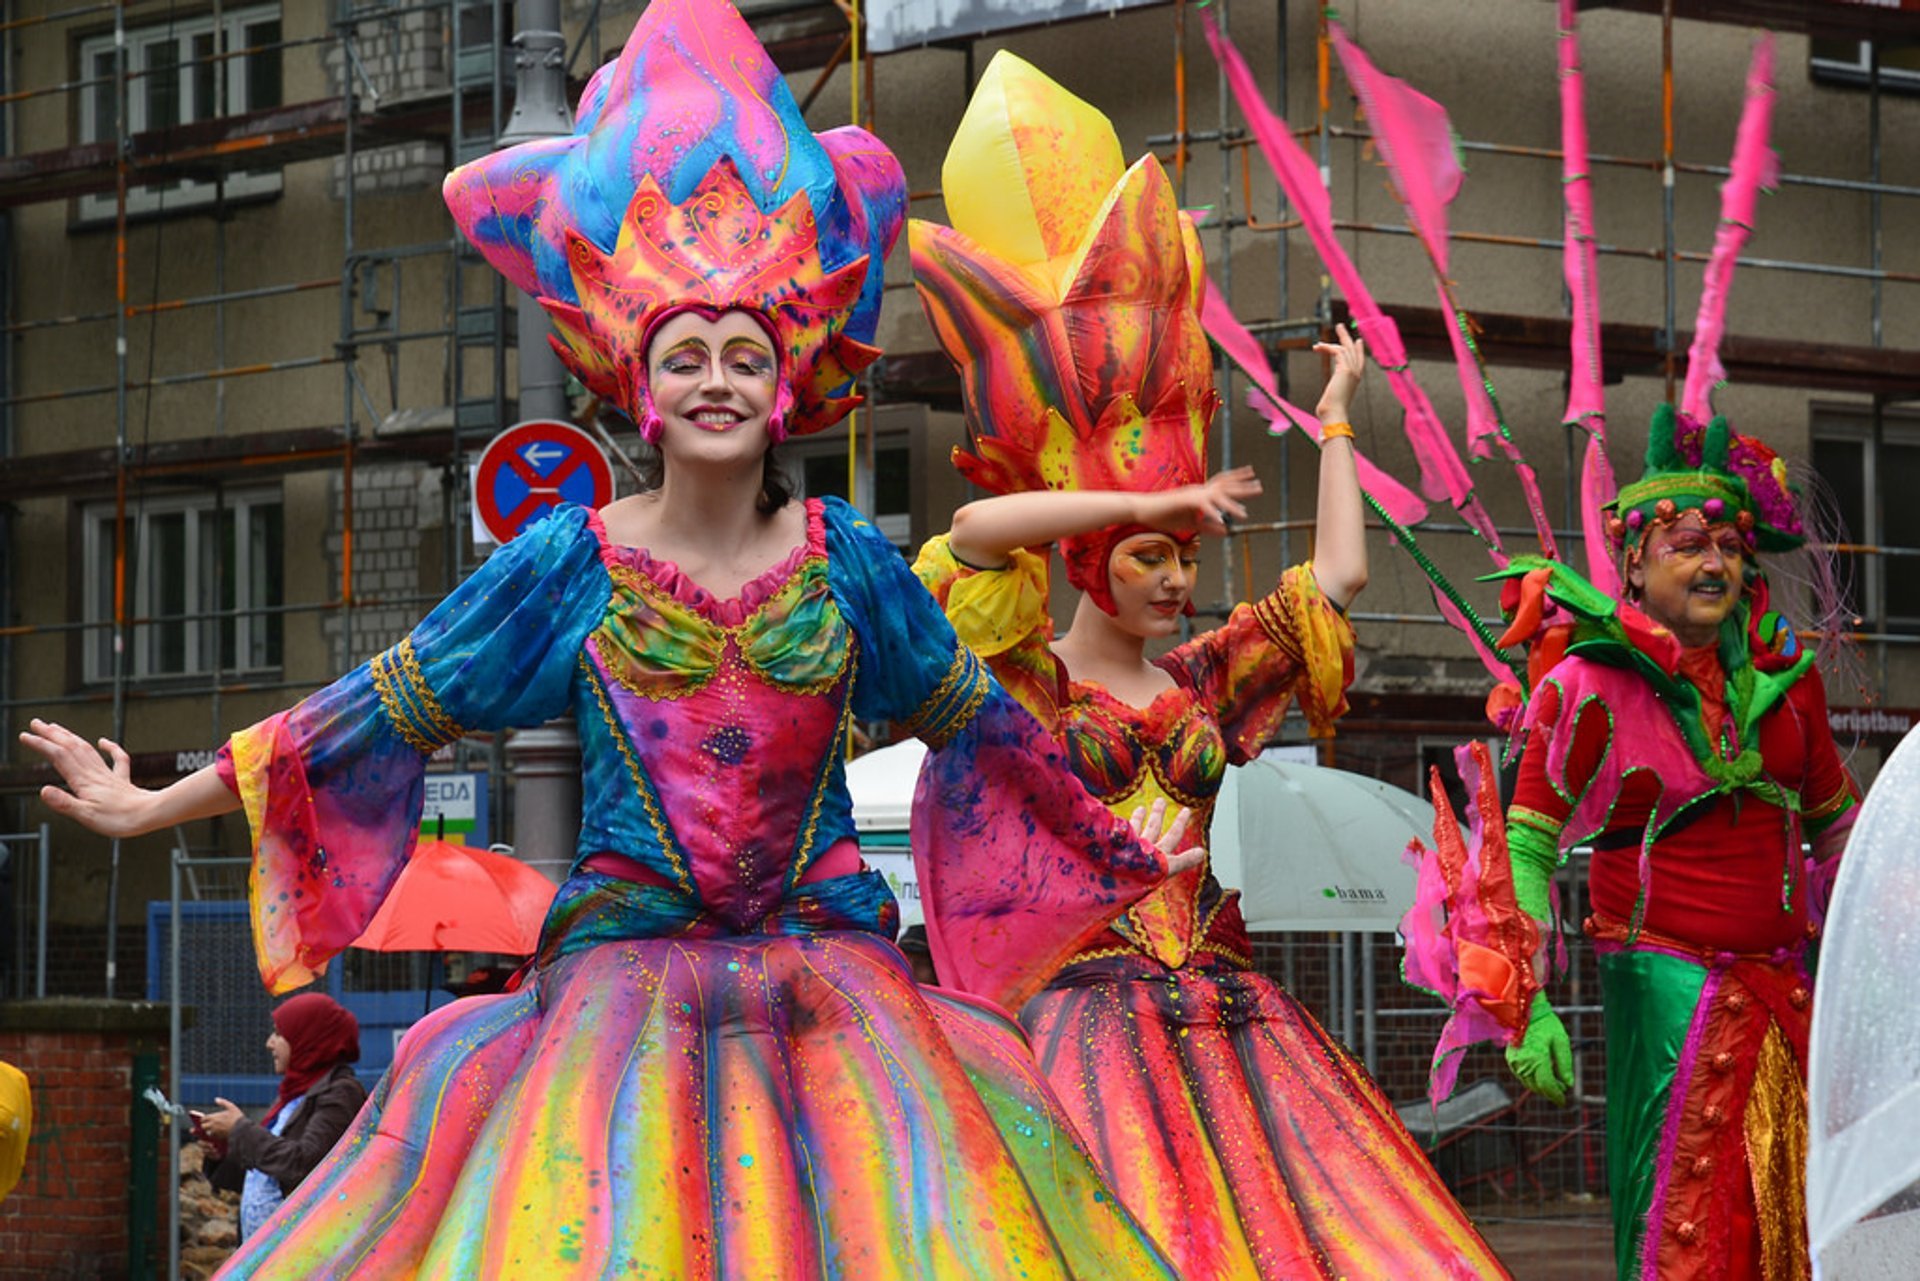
{"points": [[390, 507], [397, 59], [70, 1214]]}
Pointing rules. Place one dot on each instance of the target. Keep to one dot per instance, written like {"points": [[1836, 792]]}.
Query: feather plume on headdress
{"points": [[690, 179]]}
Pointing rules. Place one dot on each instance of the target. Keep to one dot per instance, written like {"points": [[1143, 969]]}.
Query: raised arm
{"points": [[986, 532], [103, 798], [1339, 528]]}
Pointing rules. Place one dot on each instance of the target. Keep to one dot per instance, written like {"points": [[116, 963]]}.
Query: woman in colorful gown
{"points": [[1246, 1139], [1703, 903], [719, 1065]]}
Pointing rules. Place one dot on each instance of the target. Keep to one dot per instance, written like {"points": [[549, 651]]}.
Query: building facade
{"points": [[247, 364]]}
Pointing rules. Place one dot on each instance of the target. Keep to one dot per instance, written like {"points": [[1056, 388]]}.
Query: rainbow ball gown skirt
{"points": [[719, 1066]]}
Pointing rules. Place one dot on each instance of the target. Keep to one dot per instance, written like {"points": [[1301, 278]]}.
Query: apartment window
{"points": [[882, 487], [175, 71], [195, 565], [1850, 62], [1886, 589]]}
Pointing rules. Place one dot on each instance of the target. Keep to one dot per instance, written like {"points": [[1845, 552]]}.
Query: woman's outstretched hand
{"points": [[1206, 507], [99, 794], [1151, 826], [1349, 357]]}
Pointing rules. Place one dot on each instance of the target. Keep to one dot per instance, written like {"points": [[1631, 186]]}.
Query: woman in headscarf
{"points": [[315, 1044]]}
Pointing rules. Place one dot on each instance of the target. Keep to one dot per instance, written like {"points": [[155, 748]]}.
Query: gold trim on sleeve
{"points": [[409, 702], [954, 701]]}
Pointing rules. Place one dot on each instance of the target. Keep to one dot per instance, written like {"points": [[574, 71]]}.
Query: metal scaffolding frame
{"points": [[473, 330], [1285, 332]]}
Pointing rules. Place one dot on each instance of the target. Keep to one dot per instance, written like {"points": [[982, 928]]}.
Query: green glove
{"points": [[1544, 1058]]}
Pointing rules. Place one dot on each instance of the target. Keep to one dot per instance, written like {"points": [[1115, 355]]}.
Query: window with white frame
{"points": [[1886, 587], [176, 74], [882, 480], [198, 568], [1850, 62]]}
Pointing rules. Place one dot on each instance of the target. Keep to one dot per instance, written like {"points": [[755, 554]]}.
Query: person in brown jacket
{"points": [[314, 1043]]}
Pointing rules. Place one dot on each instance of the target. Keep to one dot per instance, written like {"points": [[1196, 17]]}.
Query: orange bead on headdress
{"points": [[692, 181], [1067, 292]]}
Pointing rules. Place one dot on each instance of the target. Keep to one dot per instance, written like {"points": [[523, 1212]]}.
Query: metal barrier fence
{"points": [[26, 882], [1496, 1146]]}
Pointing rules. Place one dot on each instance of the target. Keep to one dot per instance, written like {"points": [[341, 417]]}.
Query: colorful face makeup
{"points": [[1150, 578], [714, 378], [1689, 576]]}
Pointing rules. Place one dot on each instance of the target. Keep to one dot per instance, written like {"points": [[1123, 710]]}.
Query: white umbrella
{"points": [[1316, 849], [1863, 1086], [1309, 848]]}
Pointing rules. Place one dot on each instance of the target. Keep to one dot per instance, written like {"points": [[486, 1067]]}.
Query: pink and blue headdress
{"points": [[691, 181]]}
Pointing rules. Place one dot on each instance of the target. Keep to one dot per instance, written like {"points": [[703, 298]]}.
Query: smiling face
{"points": [[281, 1051], [714, 383], [1689, 576], [1151, 577]]}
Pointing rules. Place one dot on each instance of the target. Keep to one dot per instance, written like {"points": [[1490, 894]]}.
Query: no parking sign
{"points": [[533, 467]]}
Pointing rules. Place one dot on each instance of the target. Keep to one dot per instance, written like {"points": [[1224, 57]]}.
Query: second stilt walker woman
{"points": [[1245, 1138]]}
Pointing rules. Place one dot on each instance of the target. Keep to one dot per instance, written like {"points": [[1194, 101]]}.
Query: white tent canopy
{"points": [[1309, 848], [882, 785]]}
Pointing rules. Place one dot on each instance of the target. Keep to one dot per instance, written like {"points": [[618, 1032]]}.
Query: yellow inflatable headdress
{"points": [[1067, 292]]}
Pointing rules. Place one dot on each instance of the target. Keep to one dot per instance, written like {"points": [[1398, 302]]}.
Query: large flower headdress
{"points": [[1067, 292], [690, 179]]}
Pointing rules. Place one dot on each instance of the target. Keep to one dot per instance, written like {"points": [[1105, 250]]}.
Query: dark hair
{"points": [[776, 487]]}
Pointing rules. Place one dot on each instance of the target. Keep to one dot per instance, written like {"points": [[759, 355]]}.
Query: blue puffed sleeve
{"points": [[1019, 865], [332, 787]]}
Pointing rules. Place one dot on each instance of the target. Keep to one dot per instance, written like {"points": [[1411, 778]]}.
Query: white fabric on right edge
{"points": [[1863, 1079]]}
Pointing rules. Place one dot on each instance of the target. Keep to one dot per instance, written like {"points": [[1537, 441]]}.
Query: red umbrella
{"points": [[455, 898]]}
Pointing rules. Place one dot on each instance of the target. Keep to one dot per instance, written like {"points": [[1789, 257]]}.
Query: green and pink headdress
{"points": [[1067, 293], [1728, 478], [691, 181]]}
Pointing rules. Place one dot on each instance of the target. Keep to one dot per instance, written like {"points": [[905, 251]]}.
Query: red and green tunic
{"points": [[1696, 777]]}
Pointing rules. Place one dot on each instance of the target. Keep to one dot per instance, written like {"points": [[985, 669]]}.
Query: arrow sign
{"points": [[531, 468]]}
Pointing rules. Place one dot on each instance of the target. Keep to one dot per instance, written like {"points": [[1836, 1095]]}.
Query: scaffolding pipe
{"points": [[539, 111], [590, 27], [11, 25], [7, 557], [1655, 255], [1281, 290], [119, 454], [347, 353], [1225, 96], [1180, 98], [1669, 336], [121, 386], [173, 1053], [1701, 169], [89, 82], [1873, 173]]}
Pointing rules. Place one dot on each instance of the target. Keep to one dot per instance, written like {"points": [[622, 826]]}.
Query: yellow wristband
{"points": [[1335, 431]]}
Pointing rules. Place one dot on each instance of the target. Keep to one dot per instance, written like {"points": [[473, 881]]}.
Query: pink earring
{"points": [[651, 425]]}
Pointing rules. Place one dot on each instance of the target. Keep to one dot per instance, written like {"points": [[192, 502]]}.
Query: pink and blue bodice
{"points": [[711, 735]]}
